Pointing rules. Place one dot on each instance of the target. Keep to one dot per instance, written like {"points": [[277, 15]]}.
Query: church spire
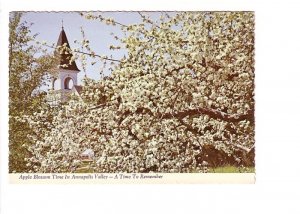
{"points": [[64, 58]]}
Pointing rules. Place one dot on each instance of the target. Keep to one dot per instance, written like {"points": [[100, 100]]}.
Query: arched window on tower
{"points": [[55, 84], [68, 83]]}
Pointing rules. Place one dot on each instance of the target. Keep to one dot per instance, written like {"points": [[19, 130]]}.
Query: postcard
{"points": [[132, 97]]}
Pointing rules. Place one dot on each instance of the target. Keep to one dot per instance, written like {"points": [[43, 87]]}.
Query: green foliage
{"points": [[28, 64]]}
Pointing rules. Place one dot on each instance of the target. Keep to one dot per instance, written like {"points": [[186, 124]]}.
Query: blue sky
{"points": [[48, 26]]}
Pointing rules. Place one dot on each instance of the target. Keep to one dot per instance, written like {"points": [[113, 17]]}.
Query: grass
{"points": [[232, 169], [84, 168]]}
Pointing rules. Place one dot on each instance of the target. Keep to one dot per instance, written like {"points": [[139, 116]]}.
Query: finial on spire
{"points": [[62, 24]]}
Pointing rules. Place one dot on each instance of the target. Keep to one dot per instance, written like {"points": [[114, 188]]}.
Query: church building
{"points": [[64, 83]]}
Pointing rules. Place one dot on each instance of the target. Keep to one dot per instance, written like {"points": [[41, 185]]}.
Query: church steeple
{"points": [[64, 58], [64, 81]]}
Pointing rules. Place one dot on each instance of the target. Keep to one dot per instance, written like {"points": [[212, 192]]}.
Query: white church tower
{"points": [[65, 80]]}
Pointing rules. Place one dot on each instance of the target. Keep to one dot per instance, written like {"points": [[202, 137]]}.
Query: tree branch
{"points": [[194, 112], [89, 54], [211, 113]]}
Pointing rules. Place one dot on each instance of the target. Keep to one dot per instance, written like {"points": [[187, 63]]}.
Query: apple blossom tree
{"points": [[181, 100]]}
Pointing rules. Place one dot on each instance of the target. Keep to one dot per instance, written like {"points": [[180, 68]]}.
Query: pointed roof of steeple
{"points": [[64, 58]]}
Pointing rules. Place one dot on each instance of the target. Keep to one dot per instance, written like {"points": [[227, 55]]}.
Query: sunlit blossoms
{"points": [[181, 99]]}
